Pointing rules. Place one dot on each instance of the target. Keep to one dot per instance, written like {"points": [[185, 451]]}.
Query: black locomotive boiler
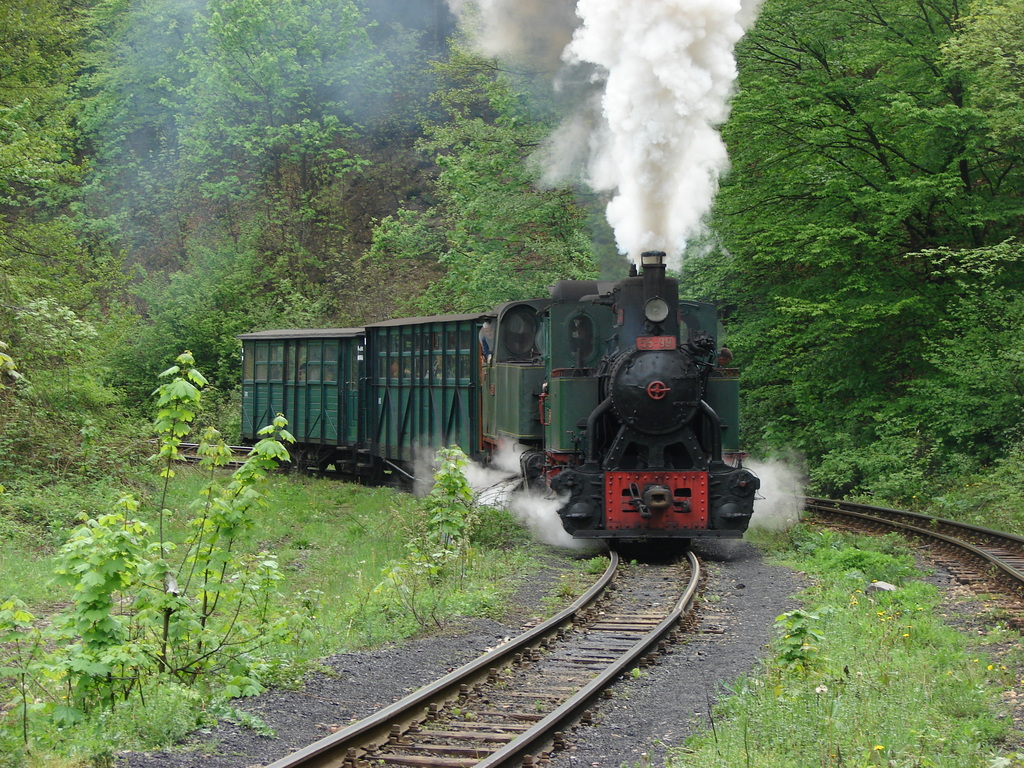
{"points": [[609, 392]]}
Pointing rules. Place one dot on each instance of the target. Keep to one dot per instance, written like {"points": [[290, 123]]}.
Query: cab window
{"points": [[581, 339], [517, 334]]}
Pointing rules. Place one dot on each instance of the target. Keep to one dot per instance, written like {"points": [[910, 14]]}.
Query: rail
{"points": [[996, 555], [610, 641]]}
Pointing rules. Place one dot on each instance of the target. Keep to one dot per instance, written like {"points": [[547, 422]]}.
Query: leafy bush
{"points": [[434, 566], [992, 499], [146, 611]]}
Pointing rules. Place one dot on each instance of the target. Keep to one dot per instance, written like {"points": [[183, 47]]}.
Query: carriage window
{"points": [[331, 361], [261, 353], [353, 369], [248, 362], [394, 366], [314, 357], [516, 333], [277, 361], [289, 362]]}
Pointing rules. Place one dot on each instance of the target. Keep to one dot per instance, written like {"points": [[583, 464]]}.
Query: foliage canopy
{"points": [[174, 174], [868, 181]]}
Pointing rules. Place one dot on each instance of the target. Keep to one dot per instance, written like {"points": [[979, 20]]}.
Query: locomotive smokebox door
{"points": [[655, 391]]}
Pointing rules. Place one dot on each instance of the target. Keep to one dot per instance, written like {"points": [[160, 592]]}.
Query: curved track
{"points": [[980, 557], [510, 706], [239, 453]]}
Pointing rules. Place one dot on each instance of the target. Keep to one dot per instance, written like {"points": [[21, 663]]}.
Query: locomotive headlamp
{"points": [[656, 310]]}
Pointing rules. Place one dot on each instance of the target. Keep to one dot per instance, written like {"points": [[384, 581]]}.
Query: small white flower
{"points": [[821, 689]]}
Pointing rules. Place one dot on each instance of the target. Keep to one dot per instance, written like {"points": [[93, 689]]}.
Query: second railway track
{"points": [[986, 560], [512, 705]]}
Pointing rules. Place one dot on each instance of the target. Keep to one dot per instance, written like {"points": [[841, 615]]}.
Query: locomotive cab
{"points": [[512, 375]]}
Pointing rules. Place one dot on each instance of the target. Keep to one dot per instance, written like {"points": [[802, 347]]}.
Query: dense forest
{"points": [[176, 172], [173, 174]]}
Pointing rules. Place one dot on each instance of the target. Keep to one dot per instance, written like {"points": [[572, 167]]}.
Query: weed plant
{"points": [[574, 582], [329, 549], [333, 542], [861, 677]]}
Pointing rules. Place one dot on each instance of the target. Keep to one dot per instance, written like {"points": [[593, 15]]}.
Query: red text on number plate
{"points": [[656, 342]]}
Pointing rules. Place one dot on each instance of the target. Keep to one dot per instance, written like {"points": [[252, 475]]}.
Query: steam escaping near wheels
{"points": [[499, 494], [780, 500], [501, 486]]}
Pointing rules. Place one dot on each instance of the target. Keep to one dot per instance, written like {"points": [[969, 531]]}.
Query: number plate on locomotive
{"points": [[656, 342]]}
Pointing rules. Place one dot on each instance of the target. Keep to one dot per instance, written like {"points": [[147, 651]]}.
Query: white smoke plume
{"points": [[781, 498], [539, 513], [529, 30], [663, 72], [494, 484]]}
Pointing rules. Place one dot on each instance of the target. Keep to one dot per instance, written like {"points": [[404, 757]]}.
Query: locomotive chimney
{"points": [[656, 306], [653, 259]]}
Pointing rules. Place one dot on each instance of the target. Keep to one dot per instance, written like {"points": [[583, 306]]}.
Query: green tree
{"points": [[855, 145], [134, 86], [493, 231], [987, 52], [38, 59], [40, 252], [268, 89], [244, 150], [974, 399]]}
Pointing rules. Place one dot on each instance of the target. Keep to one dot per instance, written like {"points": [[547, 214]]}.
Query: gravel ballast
{"points": [[648, 712]]}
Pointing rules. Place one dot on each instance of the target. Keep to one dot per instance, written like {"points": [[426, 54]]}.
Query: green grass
{"points": [[851, 680], [332, 540], [34, 522], [991, 499], [857, 679]]}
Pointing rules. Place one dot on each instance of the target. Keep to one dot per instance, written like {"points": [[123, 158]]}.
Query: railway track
{"points": [[239, 453], [512, 705], [983, 559]]}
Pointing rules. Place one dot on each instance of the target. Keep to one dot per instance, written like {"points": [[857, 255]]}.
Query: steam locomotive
{"points": [[609, 392]]}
